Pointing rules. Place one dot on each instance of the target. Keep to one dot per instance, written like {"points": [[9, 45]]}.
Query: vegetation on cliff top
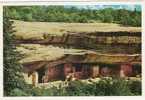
{"points": [[73, 14]]}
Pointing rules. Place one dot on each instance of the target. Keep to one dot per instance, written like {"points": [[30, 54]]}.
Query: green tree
{"points": [[12, 69], [108, 16], [73, 14], [125, 19]]}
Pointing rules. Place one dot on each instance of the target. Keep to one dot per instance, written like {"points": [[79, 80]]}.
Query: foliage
{"points": [[135, 87], [12, 69], [18, 92], [104, 87], [64, 14]]}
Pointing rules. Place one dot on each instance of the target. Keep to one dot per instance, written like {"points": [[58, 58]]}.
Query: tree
{"points": [[73, 14], [13, 78], [83, 19], [108, 16]]}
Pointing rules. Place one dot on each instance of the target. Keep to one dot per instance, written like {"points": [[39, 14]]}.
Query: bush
{"points": [[135, 87], [104, 87], [18, 92]]}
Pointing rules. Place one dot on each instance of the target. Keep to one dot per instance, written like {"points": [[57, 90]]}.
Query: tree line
{"points": [[73, 14]]}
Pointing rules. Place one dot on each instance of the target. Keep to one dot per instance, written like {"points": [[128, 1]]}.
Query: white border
{"points": [[68, 97]]}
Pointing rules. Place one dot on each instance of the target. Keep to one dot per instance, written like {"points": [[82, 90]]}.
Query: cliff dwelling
{"points": [[73, 54]]}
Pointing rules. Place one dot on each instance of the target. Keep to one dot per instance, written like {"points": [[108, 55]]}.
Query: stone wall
{"points": [[69, 71]]}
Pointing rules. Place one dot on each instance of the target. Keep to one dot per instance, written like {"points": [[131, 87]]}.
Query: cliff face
{"points": [[86, 38], [117, 42], [100, 38], [107, 38], [79, 35]]}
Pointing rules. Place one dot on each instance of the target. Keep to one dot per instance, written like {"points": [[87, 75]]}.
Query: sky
{"points": [[127, 7]]}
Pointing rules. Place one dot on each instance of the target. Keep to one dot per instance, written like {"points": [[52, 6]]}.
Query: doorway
{"points": [[41, 73]]}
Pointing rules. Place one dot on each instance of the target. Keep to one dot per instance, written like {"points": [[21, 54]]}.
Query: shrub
{"points": [[104, 87], [18, 92], [135, 87]]}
